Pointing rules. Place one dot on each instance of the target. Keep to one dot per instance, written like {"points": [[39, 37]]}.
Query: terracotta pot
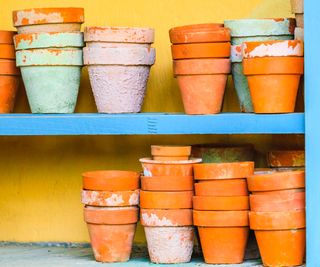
{"points": [[66, 19], [299, 34], [6, 37], [276, 181], [7, 51], [222, 153], [202, 84], [274, 203], [273, 82], [280, 193], [220, 203], [119, 76], [198, 27], [222, 188], [111, 232], [201, 50], [110, 198], [110, 180], [209, 171], [167, 183], [168, 168], [286, 158], [166, 200], [170, 152]]}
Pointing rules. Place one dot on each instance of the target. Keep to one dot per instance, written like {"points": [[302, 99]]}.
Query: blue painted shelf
{"points": [[150, 123]]}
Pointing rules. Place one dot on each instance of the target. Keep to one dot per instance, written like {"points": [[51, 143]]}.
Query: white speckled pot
{"points": [[119, 77]]}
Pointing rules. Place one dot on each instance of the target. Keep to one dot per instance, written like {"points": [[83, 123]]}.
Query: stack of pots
{"points": [[111, 200], [220, 210], [166, 205], [201, 55], [49, 53], [297, 7], [286, 159], [278, 216], [251, 30], [119, 61], [9, 73], [273, 70]]}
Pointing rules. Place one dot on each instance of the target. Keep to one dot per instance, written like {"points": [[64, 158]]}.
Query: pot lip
{"points": [[223, 181], [92, 174], [118, 28], [6, 37], [11, 65], [171, 193], [174, 162], [195, 27], [95, 208], [220, 197], [163, 177], [268, 174], [178, 46], [225, 164], [274, 197], [119, 192]]}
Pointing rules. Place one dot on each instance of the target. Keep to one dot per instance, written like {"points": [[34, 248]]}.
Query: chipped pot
{"points": [[286, 158], [111, 232], [170, 152], [222, 188], [169, 234], [119, 76], [34, 20], [217, 203], [167, 183]]}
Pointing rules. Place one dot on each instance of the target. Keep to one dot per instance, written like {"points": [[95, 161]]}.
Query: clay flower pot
{"points": [[211, 171], [280, 236], [119, 76], [48, 20], [279, 193], [223, 235], [169, 234], [222, 188], [110, 180], [167, 183], [202, 84], [170, 152], [219, 153], [168, 168], [110, 198], [220, 203], [286, 158], [111, 232]]}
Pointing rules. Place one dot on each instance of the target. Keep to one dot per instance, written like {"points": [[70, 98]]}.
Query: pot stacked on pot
{"points": [[119, 61], [278, 216], [201, 55], [49, 53], [9, 73], [297, 7], [166, 204], [247, 30], [273, 70], [286, 159], [111, 212], [220, 210]]}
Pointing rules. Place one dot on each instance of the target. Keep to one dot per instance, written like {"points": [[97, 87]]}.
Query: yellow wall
{"points": [[40, 179]]}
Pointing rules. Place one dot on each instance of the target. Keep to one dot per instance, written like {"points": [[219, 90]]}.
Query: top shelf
{"points": [[149, 123]]}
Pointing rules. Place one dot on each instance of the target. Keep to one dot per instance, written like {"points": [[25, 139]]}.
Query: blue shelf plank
{"points": [[150, 123]]}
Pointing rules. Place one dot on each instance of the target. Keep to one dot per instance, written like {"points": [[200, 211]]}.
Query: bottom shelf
{"points": [[39, 256]]}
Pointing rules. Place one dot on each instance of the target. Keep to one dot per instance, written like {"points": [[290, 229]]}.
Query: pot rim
{"points": [[221, 203], [173, 162], [6, 37], [10, 67]]}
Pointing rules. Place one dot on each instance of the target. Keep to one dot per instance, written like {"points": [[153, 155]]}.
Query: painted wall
{"points": [[40, 178]]}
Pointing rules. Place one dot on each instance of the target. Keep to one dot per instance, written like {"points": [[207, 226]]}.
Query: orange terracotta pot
{"points": [[8, 67], [276, 181], [7, 51], [110, 198], [8, 91], [170, 152], [209, 171], [6, 37], [220, 203], [197, 27], [286, 158], [111, 180], [222, 188], [281, 193], [273, 82], [166, 200], [201, 50], [167, 183]]}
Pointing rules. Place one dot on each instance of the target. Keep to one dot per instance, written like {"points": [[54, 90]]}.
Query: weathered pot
{"points": [[222, 188], [219, 153], [168, 168], [223, 235], [111, 180], [167, 183], [38, 20], [169, 234], [59, 70], [6, 37], [280, 236], [221, 203], [286, 158], [300, 20], [111, 232], [233, 170], [297, 6], [202, 84], [299, 34], [119, 77], [170, 152]]}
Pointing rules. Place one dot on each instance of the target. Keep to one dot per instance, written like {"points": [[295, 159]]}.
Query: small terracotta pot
{"points": [[222, 188], [166, 200], [111, 232], [7, 51], [38, 20], [110, 180], [274, 203], [170, 152], [276, 181], [201, 50], [221, 203], [167, 183], [110, 198], [209, 171], [168, 168], [286, 158], [6, 37]]}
